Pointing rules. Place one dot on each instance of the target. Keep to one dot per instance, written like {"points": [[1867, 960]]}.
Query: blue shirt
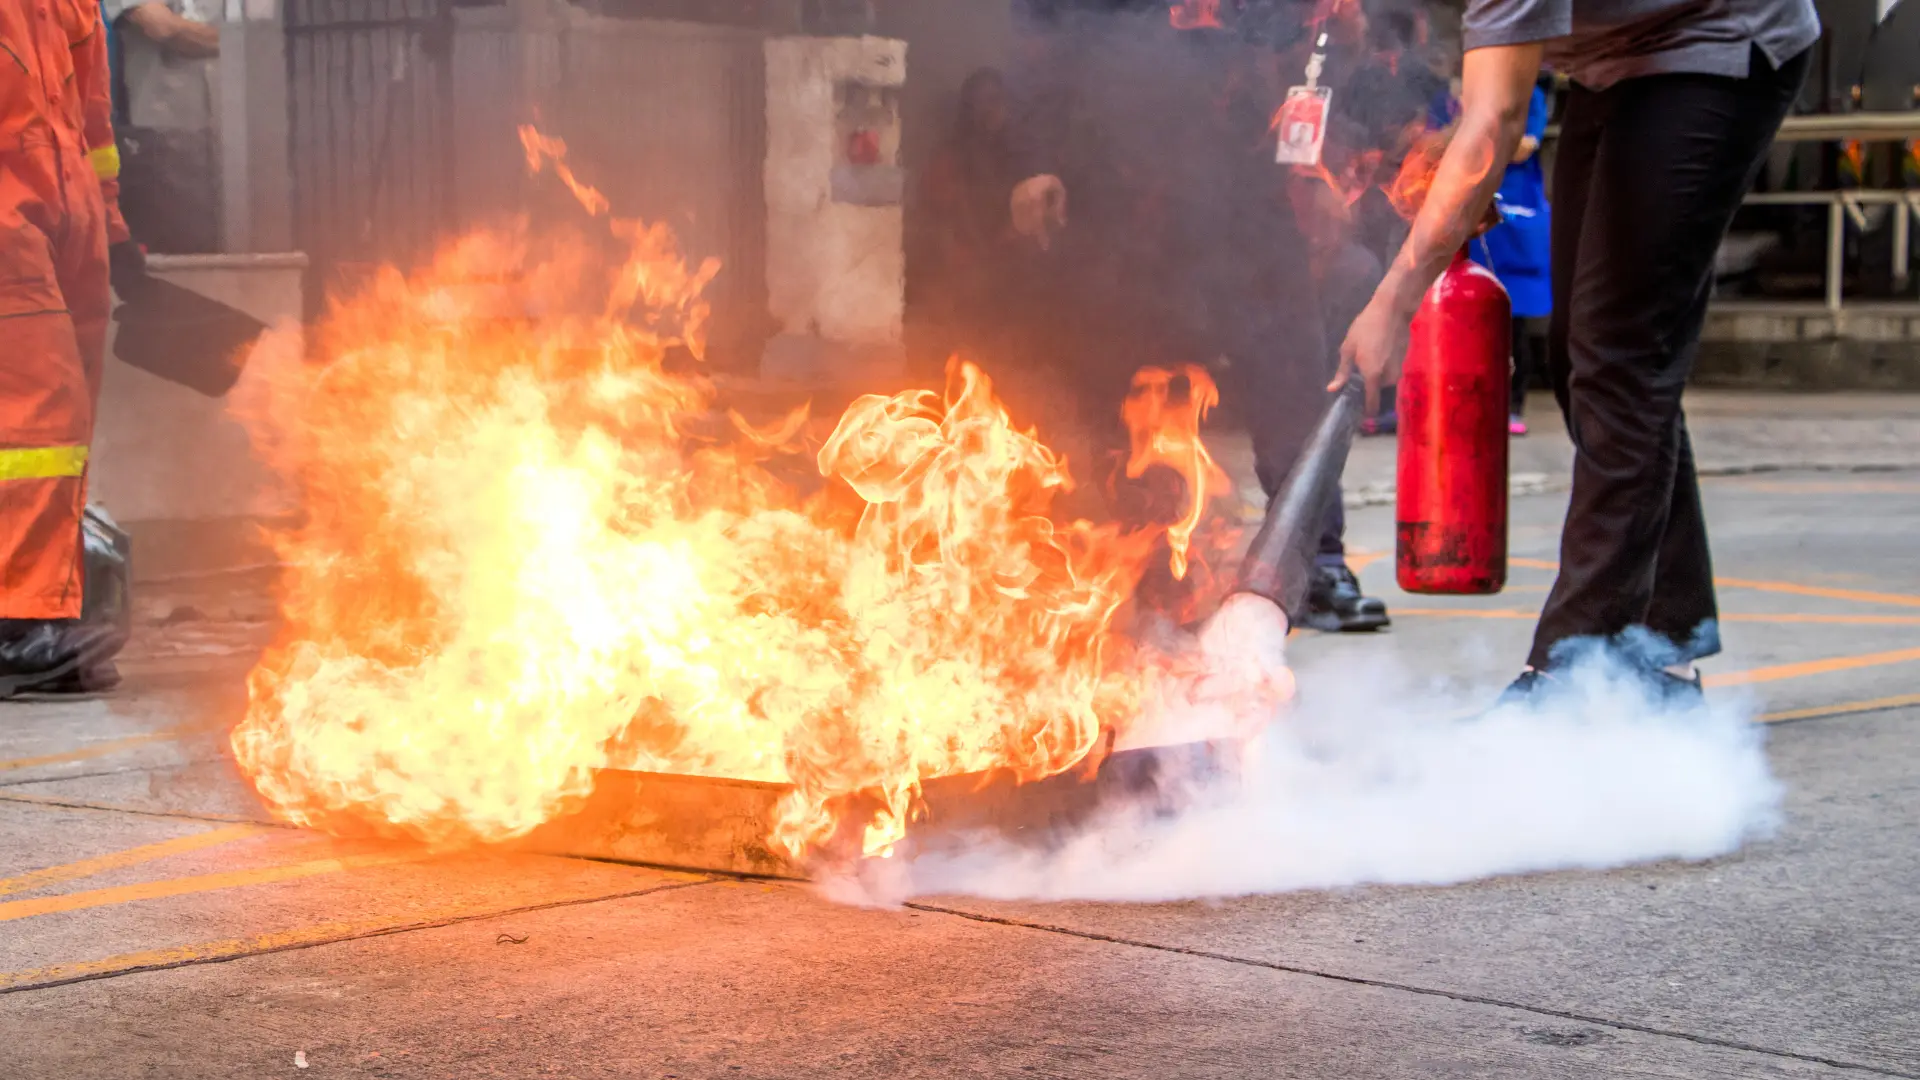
{"points": [[1519, 249]]}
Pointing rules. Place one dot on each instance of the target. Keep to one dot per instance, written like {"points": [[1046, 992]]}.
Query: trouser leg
{"points": [[1285, 381], [54, 329], [1667, 160], [1523, 366]]}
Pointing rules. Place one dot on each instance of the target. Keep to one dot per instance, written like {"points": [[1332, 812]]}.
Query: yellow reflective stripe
{"points": [[106, 162], [43, 463]]}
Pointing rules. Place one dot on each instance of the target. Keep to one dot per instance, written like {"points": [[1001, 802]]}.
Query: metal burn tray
{"points": [[718, 824]]}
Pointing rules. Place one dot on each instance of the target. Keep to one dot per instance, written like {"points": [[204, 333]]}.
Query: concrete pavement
{"points": [[152, 924]]}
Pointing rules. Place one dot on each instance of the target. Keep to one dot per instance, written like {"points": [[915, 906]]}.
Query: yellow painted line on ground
{"points": [[1360, 560], [54, 875], [1831, 487], [199, 883], [1788, 588], [1467, 613], [1738, 617], [1813, 667], [1848, 708], [1776, 673], [92, 750], [1791, 589], [318, 934], [1827, 620]]}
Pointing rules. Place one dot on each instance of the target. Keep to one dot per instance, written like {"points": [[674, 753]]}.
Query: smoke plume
{"points": [[1376, 776]]}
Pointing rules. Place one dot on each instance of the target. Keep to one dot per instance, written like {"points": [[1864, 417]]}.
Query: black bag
{"points": [[106, 596]]}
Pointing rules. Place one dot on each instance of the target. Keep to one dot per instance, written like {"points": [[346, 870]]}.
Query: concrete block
{"points": [[1807, 347], [162, 452], [720, 824], [836, 267]]}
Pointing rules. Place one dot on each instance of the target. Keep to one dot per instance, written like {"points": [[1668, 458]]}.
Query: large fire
{"points": [[533, 547]]}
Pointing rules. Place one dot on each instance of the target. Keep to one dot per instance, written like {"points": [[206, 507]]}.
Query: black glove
{"points": [[127, 268]]}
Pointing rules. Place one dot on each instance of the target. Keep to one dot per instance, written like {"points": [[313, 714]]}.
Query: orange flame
{"points": [[544, 150], [1165, 432], [531, 551], [1195, 15]]}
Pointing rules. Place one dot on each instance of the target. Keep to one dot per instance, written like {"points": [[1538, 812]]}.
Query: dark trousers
{"points": [[1284, 372], [1526, 361], [1649, 174]]}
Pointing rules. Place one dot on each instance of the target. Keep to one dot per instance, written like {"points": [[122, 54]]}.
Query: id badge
{"points": [[1301, 125]]}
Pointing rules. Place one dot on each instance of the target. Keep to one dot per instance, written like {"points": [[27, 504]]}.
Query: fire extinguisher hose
{"points": [[1279, 564]]}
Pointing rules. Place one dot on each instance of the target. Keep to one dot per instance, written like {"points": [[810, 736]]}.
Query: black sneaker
{"points": [[1684, 691], [1529, 688], [1336, 605], [91, 679], [1669, 689], [51, 655]]}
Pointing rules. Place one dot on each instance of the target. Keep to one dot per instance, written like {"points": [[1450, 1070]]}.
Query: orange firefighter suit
{"points": [[58, 212]]}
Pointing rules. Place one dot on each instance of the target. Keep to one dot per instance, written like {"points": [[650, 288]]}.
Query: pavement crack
{"points": [[179, 815], [176, 767], [1425, 991], [358, 935]]}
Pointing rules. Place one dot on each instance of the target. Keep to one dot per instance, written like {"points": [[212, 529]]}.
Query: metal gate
{"points": [[369, 103]]}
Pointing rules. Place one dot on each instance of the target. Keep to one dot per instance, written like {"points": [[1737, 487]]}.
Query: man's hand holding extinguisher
{"points": [[1459, 185]]}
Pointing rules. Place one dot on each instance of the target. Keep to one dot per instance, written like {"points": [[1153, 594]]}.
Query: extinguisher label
{"points": [[1301, 125]]}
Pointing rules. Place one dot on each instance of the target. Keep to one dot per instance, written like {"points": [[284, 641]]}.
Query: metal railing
{"points": [[1845, 205], [369, 103]]}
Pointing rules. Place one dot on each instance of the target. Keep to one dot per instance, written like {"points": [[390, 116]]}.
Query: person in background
{"points": [[59, 213], [1517, 251], [166, 72], [1345, 272], [969, 235], [1385, 107], [1671, 113], [1183, 235]]}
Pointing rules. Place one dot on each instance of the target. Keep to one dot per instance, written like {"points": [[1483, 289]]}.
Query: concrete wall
{"points": [[1807, 347], [162, 452], [836, 269]]}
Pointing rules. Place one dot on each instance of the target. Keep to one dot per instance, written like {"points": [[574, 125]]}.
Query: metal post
{"points": [[1902, 243], [1836, 250], [256, 183]]}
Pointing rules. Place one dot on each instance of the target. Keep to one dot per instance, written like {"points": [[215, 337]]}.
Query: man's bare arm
{"points": [[1497, 86], [173, 32]]}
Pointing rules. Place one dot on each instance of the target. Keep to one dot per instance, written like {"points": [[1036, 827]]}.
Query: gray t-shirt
{"points": [[1597, 43]]}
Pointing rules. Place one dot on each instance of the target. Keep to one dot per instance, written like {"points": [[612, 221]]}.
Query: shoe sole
{"points": [[12, 686]]}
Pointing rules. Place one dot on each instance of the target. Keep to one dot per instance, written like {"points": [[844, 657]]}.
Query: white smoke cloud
{"points": [[1379, 777]]}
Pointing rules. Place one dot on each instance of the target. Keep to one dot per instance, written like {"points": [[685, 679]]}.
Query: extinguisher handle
{"points": [[1279, 564]]}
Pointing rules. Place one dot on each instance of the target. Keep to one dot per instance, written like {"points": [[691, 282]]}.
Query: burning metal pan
{"points": [[724, 825]]}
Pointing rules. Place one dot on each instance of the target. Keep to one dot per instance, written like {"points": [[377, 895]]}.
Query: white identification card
{"points": [[1301, 125]]}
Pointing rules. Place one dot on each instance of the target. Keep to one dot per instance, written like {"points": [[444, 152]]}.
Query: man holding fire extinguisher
{"points": [[1673, 107]]}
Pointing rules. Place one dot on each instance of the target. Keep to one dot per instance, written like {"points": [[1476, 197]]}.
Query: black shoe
{"points": [[90, 679], [1669, 689], [1336, 605], [1529, 688], [53, 655], [1683, 691]]}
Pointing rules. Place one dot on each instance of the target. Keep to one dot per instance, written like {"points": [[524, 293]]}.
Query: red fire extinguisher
{"points": [[1452, 401]]}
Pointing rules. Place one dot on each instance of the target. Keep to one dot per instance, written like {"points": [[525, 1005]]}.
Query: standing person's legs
{"points": [[48, 384], [1523, 365], [53, 304], [1284, 371], [1650, 174]]}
